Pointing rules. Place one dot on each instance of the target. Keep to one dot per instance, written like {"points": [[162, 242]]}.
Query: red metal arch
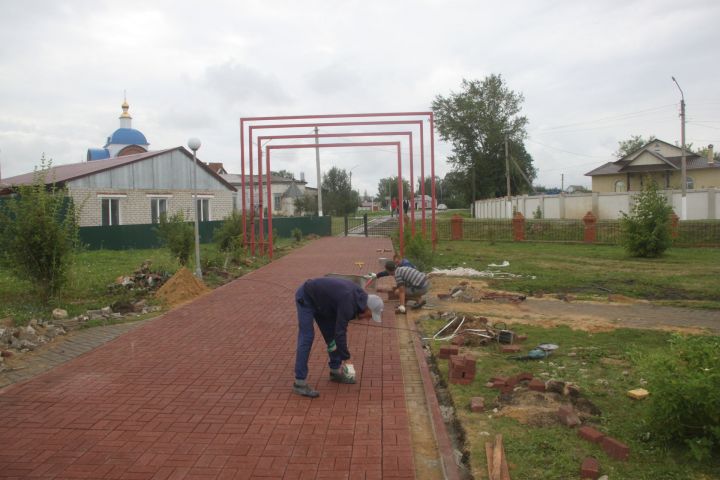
{"points": [[270, 148], [260, 139], [429, 116]]}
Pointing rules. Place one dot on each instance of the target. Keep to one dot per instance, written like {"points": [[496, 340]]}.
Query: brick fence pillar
{"points": [[590, 222], [674, 221], [518, 227], [456, 227]]}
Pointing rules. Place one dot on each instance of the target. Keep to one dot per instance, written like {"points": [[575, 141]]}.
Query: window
{"points": [[158, 207], [203, 209], [110, 211], [620, 186], [277, 201], [689, 183]]}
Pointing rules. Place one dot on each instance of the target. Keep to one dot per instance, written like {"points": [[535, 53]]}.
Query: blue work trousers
{"points": [[306, 334]]}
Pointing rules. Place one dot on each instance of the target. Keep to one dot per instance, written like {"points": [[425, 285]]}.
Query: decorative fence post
{"points": [[590, 222], [518, 227], [456, 227], [674, 224]]}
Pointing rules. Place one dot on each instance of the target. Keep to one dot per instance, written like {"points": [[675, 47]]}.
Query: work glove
{"points": [[331, 347]]}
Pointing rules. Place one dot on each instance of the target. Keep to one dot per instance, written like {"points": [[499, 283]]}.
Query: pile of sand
{"points": [[182, 287]]}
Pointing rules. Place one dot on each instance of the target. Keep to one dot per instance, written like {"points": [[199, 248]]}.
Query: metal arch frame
{"points": [[260, 139], [429, 115], [329, 124], [270, 148]]}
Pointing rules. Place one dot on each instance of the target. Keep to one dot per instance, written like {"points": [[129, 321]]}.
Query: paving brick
{"points": [[567, 416], [615, 448], [446, 351], [590, 468], [509, 348], [590, 434], [537, 385], [477, 404]]}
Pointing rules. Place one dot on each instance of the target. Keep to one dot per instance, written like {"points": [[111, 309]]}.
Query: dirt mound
{"points": [[182, 287], [540, 408]]}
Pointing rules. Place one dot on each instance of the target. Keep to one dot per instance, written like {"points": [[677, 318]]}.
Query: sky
{"points": [[591, 73]]}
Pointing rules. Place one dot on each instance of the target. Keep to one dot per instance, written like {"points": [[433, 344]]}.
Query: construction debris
{"points": [[496, 461], [466, 292], [471, 272]]}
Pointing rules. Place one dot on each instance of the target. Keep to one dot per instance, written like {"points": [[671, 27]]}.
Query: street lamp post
{"points": [[683, 162], [194, 144]]}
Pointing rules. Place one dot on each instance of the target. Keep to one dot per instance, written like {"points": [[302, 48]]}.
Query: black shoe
{"points": [[305, 390], [341, 378]]}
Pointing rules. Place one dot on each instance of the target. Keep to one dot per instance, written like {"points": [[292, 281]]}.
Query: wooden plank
{"points": [[497, 458], [489, 455]]}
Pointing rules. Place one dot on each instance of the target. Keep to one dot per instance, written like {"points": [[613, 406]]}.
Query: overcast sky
{"points": [[592, 73]]}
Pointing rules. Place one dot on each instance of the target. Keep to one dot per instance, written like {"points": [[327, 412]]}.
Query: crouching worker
{"points": [[331, 303], [411, 284]]}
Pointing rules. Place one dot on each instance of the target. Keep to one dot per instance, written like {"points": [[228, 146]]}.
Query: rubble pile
{"points": [[465, 292], [141, 281], [26, 338]]}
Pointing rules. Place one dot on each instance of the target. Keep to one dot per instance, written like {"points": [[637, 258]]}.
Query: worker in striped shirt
{"points": [[410, 283]]}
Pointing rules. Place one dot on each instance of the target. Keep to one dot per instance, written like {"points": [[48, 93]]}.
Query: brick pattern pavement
{"points": [[203, 392]]}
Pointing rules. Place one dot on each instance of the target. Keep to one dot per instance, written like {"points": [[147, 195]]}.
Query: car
{"points": [[442, 206]]}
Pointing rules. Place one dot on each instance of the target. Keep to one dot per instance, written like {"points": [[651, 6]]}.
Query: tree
{"points": [[645, 232], [635, 142], [306, 204], [338, 198], [388, 188], [39, 233], [476, 121], [703, 152]]}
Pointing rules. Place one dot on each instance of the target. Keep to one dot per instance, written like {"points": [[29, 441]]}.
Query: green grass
{"points": [[555, 451], [681, 277], [94, 270]]}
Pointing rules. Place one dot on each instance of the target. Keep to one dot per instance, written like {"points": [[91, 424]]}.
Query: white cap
{"points": [[375, 304]]}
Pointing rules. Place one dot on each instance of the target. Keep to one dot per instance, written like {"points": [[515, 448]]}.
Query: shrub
{"points": [[537, 214], [228, 236], [297, 234], [39, 233], [177, 235], [645, 232], [418, 250], [684, 405]]}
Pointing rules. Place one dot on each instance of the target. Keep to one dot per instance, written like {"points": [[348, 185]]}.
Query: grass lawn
{"points": [[94, 270], [681, 277], [604, 366]]}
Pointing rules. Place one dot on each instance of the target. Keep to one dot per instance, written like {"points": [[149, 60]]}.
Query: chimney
{"points": [[711, 155]]}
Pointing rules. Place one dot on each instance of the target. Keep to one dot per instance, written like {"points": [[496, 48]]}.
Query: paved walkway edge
{"points": [[442, 436]]}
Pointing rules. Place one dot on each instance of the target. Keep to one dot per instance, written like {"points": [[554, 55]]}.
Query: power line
{"points": [[621, 116], [565, 151]]}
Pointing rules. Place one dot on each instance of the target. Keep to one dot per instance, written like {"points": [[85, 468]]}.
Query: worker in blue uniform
{"points": [[331, 303]]}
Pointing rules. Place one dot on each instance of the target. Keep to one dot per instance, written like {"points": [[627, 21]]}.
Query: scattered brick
{"points": [[510, 348], [499, 383], [615, 448], [590, 434], [590, 468], [568, 416], [511, 382], [520, 338], [462, 369], [505, 389], [444, 296], [477, 404], [524, 377], [458, 340], [448, 350], [537, 385], [502, 379]]}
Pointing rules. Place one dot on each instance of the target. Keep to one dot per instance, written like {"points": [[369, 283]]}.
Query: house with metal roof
{"points": [[661, 162], [283, 192], [139, 188]]}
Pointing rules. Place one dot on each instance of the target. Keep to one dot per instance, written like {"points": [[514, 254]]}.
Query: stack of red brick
{"points": [[462, 369]]}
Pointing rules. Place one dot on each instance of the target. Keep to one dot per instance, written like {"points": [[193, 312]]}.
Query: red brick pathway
{"points": [[203, 392]]}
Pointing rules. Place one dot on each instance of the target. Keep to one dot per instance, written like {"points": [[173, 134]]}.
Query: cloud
{"points": [[235, 83]]}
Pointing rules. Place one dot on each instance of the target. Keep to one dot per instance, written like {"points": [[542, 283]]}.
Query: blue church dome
{"points": [[127, 136]]}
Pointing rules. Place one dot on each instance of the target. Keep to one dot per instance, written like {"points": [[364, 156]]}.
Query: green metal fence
{"points": [[126, 237]]}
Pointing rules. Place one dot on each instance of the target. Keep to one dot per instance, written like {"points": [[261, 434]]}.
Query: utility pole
{"points": [[507, 177], [319, 176], [562, 182], [683, 162]]}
